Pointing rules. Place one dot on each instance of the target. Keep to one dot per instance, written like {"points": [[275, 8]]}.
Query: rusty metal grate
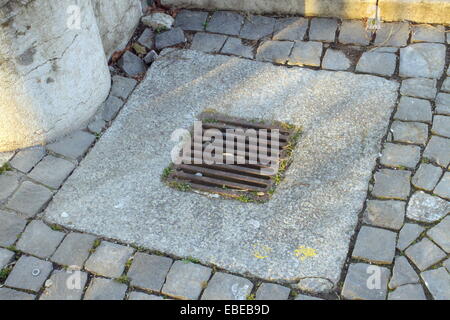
{"points": [[248, 180]]}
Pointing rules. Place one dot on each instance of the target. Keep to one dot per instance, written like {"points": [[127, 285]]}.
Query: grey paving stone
{"points": [[335, 60], [377, 63], [392, 184], [122, 87], [419, 88], [446, 264], [441, 126], [438, 283], [135, 295], [290, 29], [428, 33], [315, 285], [147, 38], [131, 64], [438, 150], [225, 286], [443, 187], [11, 226], [9, 181], [354, 32], [186, 280], [149, 271], [424, 254], [361, 282], [109, 259], [105, 289], [158, 21], [323, 29], [29, 273], [424, 60], [150, 57], [52, 171], [375, 245], [235, 46], [410, 132], [388, 214], [426, 208], [306, 297], [392, 34], [191, 20], [443, 103], [446, 85], [74, 250], [398, 155], [385, 49], [208, 42], [5, 257], [26, 159], [170, 38], [257, 27], [73, 146], [402, 273], [272, 291], [440, 234], [40, 240], [426, 177], [274, 51], [408, 292], [412, 109], [306, 53], [225, 22], [111, 108], [408, 234], [10, 294], [29, 199], [65, 285], [97, 126]]}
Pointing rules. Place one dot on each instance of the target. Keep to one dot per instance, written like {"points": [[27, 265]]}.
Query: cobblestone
{"points": [[191, 20], [354, 32], [29, 199], [440, 234], [131, 64], [147, 39], [335, 60], [379, 63], [225, 286], [257, 27], [438, 282], [11, 226], [122, 87], [9, 181], [315, 285], [207, 42], [410, 132], [186, 280], [386, 214], [443, 187], [25, 160], [109, 259], [355, 284], [105, 289], [52, 171], [39, 240], [224, 22], [408, 234], [428, 33], [402, 273], [392, 184], [375, 245], [29, 273], [397, 156], [443, 103], [74, 250], [111, 107], [426, 208], [9, 294], [135, 295], [274, 51], [412, 109], [438, 150], [441, 126], [424, 254], [169, 38], [424, 60], [446, 85], [392, 34], [272, 291], [235, 46], [149, 271], [408, 292], [73, 146], [306, 53], [65, 286], [293, 29], [5, 257], [426, 177], [419, 88], [323, 29]]}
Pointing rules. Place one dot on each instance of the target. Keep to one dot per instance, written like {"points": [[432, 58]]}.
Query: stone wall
{"points": [[53, 68]]}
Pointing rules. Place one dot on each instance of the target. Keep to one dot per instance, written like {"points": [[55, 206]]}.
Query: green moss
{"points": [[4, 273], [123, 279], [4, 168]]}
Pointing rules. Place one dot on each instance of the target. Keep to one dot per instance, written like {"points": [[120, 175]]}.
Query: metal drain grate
{"points": [[242, 169]]}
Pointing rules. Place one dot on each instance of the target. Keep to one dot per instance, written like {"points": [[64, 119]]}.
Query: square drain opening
{"points": [[233, 157]]}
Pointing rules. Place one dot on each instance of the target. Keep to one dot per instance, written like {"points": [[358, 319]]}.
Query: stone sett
{"points": [[412, 109], [403, 273], [73, 146], [39, 239], [443, 103], [29, 199], [397, 155], [422, 60], [122, 87], [274, 51], [426, 177], [225, 286], [235, 47], [111, 108], [225, 22], [443, 187], [11, 226], [354, 32], [305, 297], [446, 85], [323, 29], [315, 285], [306, 53], [440, 234], [358, 274], [74, 250], [428, 33], [170, 38], [208, 42], [392, 34], [408, 292], [293, 29], [105, 289], [109, 259], [97, 126], [5, 257], [29, 273], [375, 245], [136, 295], [52, 171], [438, 150], [410, 132], [419, 88], [186, 280], [131, 64], [424, 254], [272, 291], [408, 234], [392, 184], [377, 63], [426, 208], [25, 160], [438, 283], [149, 271], [335, 60], [13, 295], [9, 181], [59, 289], [441, 126], [147, 38], [388, 214], [191, 20], [446, 264], [257, 27]]}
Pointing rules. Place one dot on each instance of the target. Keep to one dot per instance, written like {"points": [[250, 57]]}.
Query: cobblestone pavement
{"points": [[401, 246]]}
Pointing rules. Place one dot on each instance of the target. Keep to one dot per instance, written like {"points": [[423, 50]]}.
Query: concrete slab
{"points": [[305, 228]]}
